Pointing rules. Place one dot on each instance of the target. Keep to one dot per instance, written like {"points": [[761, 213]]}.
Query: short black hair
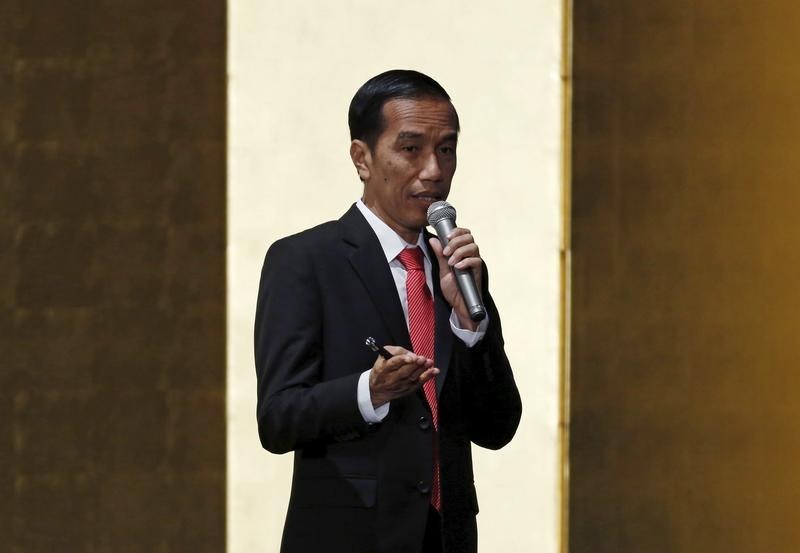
{"points": [[366, 109]]}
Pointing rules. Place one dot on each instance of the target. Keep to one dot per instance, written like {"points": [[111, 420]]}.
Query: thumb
{"points": [[436, 246]]}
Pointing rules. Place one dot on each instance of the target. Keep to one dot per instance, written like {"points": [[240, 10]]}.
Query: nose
{"points": [[431, 170]]}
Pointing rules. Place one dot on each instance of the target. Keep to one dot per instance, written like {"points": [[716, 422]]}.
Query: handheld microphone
{"points": [[442, 217]]}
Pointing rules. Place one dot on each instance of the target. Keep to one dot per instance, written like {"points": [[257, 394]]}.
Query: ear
{"points": [[362, 158]]}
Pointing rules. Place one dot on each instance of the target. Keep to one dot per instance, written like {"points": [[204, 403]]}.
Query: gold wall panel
{"points": [[685, 419], [112, 277]]}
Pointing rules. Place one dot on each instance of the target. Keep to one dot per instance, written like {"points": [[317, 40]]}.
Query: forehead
{"points": [[423, 115]]}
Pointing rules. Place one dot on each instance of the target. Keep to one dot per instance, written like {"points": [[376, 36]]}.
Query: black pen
{"points": [[380, 350]]}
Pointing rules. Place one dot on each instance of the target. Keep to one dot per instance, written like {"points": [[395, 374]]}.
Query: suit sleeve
{"points": [[493, 407], [296, 407]]}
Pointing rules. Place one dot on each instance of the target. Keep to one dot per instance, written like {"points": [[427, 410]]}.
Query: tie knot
{"points": [[411, 258]]}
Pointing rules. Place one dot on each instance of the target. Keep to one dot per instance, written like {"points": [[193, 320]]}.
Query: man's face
{"points": [[412, 163]]}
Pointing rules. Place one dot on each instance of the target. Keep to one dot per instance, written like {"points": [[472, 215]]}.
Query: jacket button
{"points": [[424, 423], [423, 487]]}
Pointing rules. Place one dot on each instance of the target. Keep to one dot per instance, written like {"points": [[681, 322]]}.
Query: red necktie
{"points": [[421, 328]]}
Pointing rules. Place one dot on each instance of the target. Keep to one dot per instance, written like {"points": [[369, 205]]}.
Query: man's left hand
{"points": [[461, 253]]}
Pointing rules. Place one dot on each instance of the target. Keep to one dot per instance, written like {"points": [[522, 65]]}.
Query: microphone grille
{"points": [[438, 211]]}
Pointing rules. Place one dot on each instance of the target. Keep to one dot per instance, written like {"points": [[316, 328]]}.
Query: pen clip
{"points": [[371, 344]]}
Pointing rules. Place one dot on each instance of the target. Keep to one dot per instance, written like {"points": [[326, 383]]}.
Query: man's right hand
{"points": [[398, 376]]}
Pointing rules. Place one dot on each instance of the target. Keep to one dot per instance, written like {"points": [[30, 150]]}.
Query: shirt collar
{"points": [[391, 242]]}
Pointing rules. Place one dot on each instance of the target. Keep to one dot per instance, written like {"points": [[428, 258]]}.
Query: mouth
{"points": [[427, 197]]}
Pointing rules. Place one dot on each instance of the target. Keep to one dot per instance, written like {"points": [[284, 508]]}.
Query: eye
{"points": [[410, 148], [448, 150]]}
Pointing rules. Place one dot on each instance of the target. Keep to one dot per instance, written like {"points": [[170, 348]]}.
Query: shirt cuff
{"points": [[368, 412], [469, 337]]}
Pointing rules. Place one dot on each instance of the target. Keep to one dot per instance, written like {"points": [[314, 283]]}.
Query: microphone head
{"points": [[438, 211]]}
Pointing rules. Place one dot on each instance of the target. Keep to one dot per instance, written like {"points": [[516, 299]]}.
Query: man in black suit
{"points": [[382, 460]]}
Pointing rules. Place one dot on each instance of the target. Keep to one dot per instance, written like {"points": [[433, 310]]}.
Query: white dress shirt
{"points": [[392, 244]]}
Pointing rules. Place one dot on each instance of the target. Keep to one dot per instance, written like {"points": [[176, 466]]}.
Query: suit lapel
{"points": [[369, 262]]}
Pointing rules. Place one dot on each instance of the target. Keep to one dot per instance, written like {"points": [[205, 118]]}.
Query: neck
{"points": [[409, 235]]}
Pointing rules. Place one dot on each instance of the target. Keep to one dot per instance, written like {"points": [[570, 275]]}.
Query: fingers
{"points": [[409, 372], [400, 375], [462, 252], [414, 369], [458, 237], [461, 246], [403, 360], [428, 374], [423, 374], [396, 350]]}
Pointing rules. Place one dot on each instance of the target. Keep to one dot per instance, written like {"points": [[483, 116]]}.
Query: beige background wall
{"points": [[293, 69]]}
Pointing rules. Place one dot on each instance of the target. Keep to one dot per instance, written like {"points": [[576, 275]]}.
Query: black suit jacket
{"points": [[360, 488]]}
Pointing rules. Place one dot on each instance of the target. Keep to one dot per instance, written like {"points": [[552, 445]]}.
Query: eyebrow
{"points": [[405, 135]]}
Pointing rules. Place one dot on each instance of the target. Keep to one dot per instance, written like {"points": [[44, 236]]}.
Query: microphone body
{"points": [[442, 217]]}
